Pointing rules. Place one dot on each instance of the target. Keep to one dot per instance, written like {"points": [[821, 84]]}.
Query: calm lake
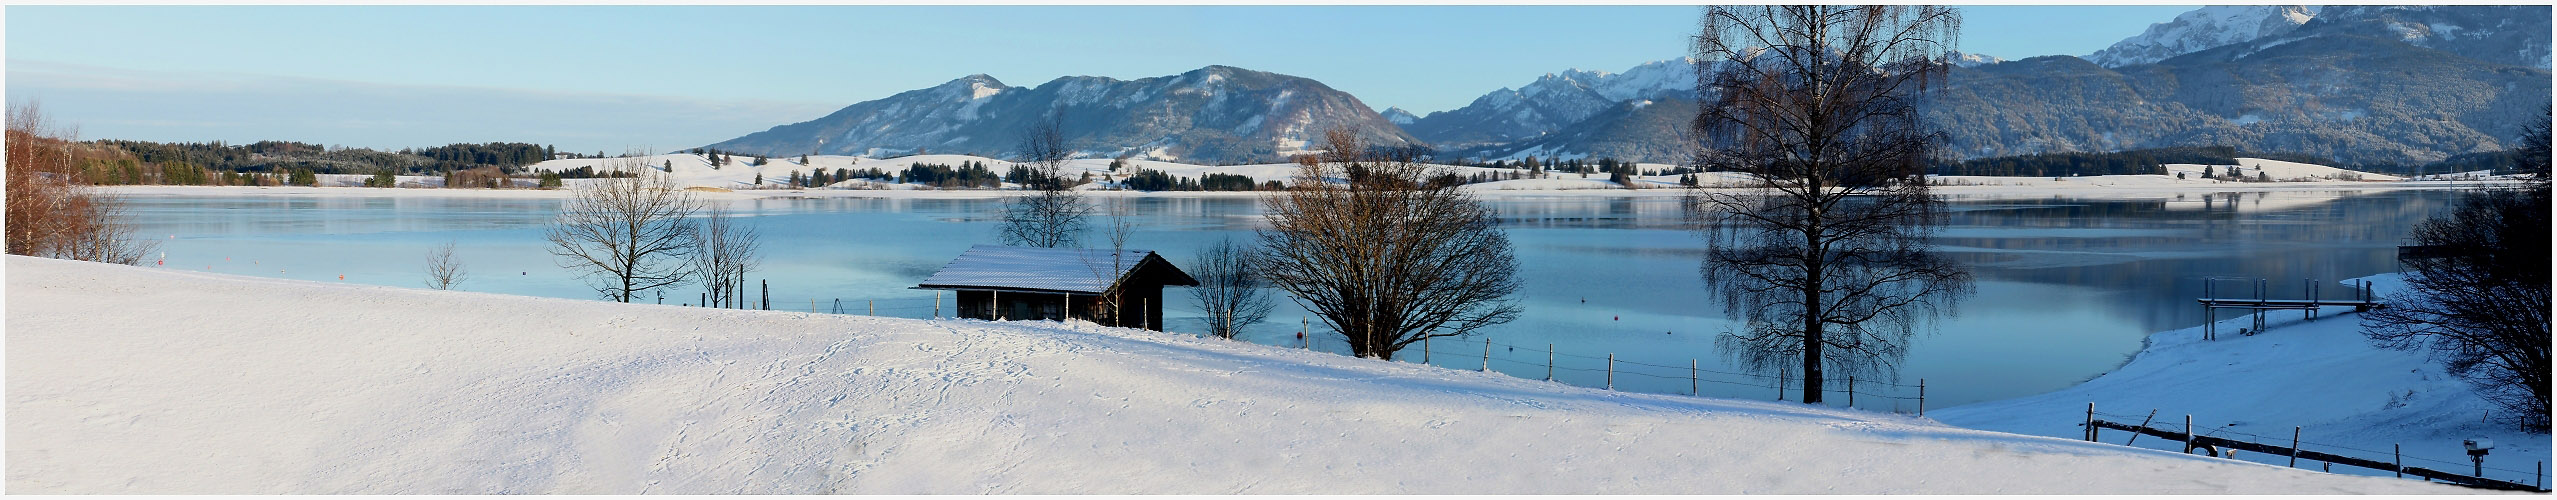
{"points": [[2067, 287]]}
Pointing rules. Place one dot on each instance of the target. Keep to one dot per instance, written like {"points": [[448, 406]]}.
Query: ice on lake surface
{"points": [[2067, 287]]}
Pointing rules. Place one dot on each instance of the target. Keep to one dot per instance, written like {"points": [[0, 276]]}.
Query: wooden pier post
{"points": [[1487, 354], [1425, 350], [1922, 397], [2090, 422], [1692, 388], [1549, 362], [1611, 371], [2397, 459]]}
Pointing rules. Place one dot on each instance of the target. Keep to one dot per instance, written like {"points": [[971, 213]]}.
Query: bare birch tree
{"points": [[1824, 258], [1053, 216], [52, 211], [1118, 224], [626, 234], [1230, 290], [1383, 253], [443, 272], [723, 251]]}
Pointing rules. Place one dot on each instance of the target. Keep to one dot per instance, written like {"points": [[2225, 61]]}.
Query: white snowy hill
{"points": [[2203, 28], [204, 383]]}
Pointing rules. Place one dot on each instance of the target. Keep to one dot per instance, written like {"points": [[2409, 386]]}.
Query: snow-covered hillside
{"points": [[2203, 28], [131, 380], [2346, 396]]}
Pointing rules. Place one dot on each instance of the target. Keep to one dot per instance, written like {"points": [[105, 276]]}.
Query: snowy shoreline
{"points": [[2345, 395], [215, 383]]}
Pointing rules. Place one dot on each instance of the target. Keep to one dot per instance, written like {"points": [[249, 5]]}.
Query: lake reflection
{"points": [[2067, 287]]}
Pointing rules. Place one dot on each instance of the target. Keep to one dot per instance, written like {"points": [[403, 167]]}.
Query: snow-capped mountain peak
{"points": [[1399, 116], [2204, 28]]}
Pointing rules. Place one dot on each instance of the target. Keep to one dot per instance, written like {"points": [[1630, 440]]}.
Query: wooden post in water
{"points": [[1851, 396], [1425, 350], [1611, 371], [1922, 397], [1692, 388], [767, 299], [1487, 354], [2397, 459]]}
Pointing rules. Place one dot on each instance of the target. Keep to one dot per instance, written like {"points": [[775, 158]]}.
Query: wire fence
{"points": [[2533, 476], [1487, 355]]}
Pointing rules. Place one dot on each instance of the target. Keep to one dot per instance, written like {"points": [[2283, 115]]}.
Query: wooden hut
{"points": [[1018, 283]]}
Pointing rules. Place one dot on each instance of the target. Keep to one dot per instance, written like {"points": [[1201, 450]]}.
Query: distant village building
{"points": [[1018, 283]]}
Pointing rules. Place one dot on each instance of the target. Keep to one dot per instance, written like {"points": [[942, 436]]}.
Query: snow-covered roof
{"points": [[1077, 270]]}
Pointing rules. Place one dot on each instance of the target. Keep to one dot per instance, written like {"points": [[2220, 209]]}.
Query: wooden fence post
{"points": [[2188, 433], [1780, 386], [1549, 362], [2144, 422], [1611, 371], [1922, 397], [1487, 354], [2090, 421], [2397, 459], [1851, 394], [1425, 350], [1692, 388], [767, 299]]}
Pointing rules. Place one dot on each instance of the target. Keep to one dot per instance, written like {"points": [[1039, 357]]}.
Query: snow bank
{"points": [[131, 380], [2347, 397]]}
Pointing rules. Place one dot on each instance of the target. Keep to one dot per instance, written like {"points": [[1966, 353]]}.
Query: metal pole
{"points": [[2311, 312], [2295, 446], [936, 304]]}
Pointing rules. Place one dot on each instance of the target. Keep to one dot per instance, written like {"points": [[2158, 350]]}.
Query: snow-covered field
{"points": [[2346, 396], [131, 380], [695, 170]]}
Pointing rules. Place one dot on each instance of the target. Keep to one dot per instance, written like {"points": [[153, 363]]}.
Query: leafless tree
{"points": [[2478, 297], [1384, 252], [442, 270], [1230, 290], [1824, 257], [1053, 216], [1118, 224], [627, 234], [52, 211], [723, 251]]}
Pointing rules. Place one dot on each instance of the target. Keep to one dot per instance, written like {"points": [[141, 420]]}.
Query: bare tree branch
{"points": [[626, 234], [1824, 259], [1384, 254]]}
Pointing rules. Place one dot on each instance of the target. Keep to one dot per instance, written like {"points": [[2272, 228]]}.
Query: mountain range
{"points": [[2363, 85]]}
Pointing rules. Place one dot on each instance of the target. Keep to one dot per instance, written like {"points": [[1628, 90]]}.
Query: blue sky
{"points": [[666, 77]]}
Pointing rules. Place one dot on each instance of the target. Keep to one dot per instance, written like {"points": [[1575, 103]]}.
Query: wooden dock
{"points": [[2212, 303]]}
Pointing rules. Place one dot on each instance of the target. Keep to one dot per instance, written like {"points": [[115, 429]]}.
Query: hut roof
{"points": [[1075, 270]]}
